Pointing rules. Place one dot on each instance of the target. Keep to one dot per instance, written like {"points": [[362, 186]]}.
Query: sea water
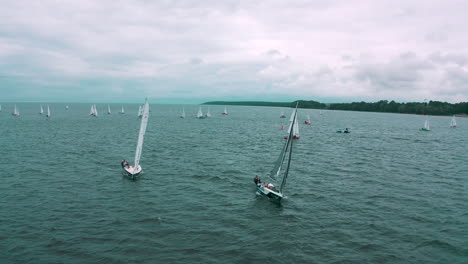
{"points": [[385, 193]]}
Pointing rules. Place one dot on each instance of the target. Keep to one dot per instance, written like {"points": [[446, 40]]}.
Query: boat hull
{"points": [[130, 173], [270, 193]]}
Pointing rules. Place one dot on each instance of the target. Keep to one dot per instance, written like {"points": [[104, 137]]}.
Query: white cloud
{"points": [[377, 50]]}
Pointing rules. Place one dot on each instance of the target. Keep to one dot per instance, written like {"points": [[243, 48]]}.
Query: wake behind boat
{"points": [[269, 189], [134, 171]]}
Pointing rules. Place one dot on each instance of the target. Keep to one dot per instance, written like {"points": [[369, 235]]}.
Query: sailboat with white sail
{"points": [[453, 123], [293, 125], [41, 111], [308, 122], [48, 112], [122, 111], [140, 111], [200, 113], [133, 171], [183, 113], [93, 111], [225, 111], [426, 125], [284, 159], [15, 111], [66, 107], [208, 114], [108, 110]]}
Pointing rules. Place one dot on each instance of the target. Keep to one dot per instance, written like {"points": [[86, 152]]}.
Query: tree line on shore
{"points": [[429, 108]]}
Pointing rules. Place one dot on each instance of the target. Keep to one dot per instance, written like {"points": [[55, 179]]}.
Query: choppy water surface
{"points": [[386, 193]]}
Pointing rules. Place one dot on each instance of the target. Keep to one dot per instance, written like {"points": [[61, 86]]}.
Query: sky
{"points": [[183, 51]]}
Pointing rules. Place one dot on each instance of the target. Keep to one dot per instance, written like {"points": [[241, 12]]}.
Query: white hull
{"points": [[132, 174]]}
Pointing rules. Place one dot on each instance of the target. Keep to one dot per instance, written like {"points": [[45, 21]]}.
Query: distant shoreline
{"points": [[382, 106]]}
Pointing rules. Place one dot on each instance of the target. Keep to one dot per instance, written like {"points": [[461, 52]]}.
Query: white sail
{"points": [[200, 113], [41, 111], [123, 110], [140, 111], [16, 111], [453, 123], [296, 127], [225, 111], [95, 111], [426, 124], [66, 107], [208, 114], [183, 113], [48, 111], [92, 111], [141, 135], [308, 118], [108, 110]]}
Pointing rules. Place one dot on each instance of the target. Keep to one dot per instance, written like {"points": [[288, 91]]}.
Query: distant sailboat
{"points": [[15, 112], [41, 111], [200, 114], [48, 112], [426, 125], [282, 115], [66, 107], [183, 113], [269, 189], [453, 123], [208, 114], [140, 111], [133, 171], [307, 122], [225, 111], [293, 125], [122, 111], [108, 110], [93, 111]]}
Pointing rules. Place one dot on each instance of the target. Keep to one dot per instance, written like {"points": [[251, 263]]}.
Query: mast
{"points": [[283, 183], [141, 135]]}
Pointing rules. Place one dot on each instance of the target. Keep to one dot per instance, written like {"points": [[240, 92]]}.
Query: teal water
{"points": [[386, 193]]}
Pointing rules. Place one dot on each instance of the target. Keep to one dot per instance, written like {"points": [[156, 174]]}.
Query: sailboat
{"points": [[270, 190], [15, 112], [41, 111], [282, 115], [93, 111], [293, 125], [122, 111], [66, 107], [208, 114], [307, 122], [48, 112], [108, 110], [133, 171], [200, 114], [453, 123], [225, 111], [183, 113], [140, 111], [426, 125]]}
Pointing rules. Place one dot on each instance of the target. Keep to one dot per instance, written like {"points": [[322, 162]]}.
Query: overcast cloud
{"points": [[194, 51]]}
